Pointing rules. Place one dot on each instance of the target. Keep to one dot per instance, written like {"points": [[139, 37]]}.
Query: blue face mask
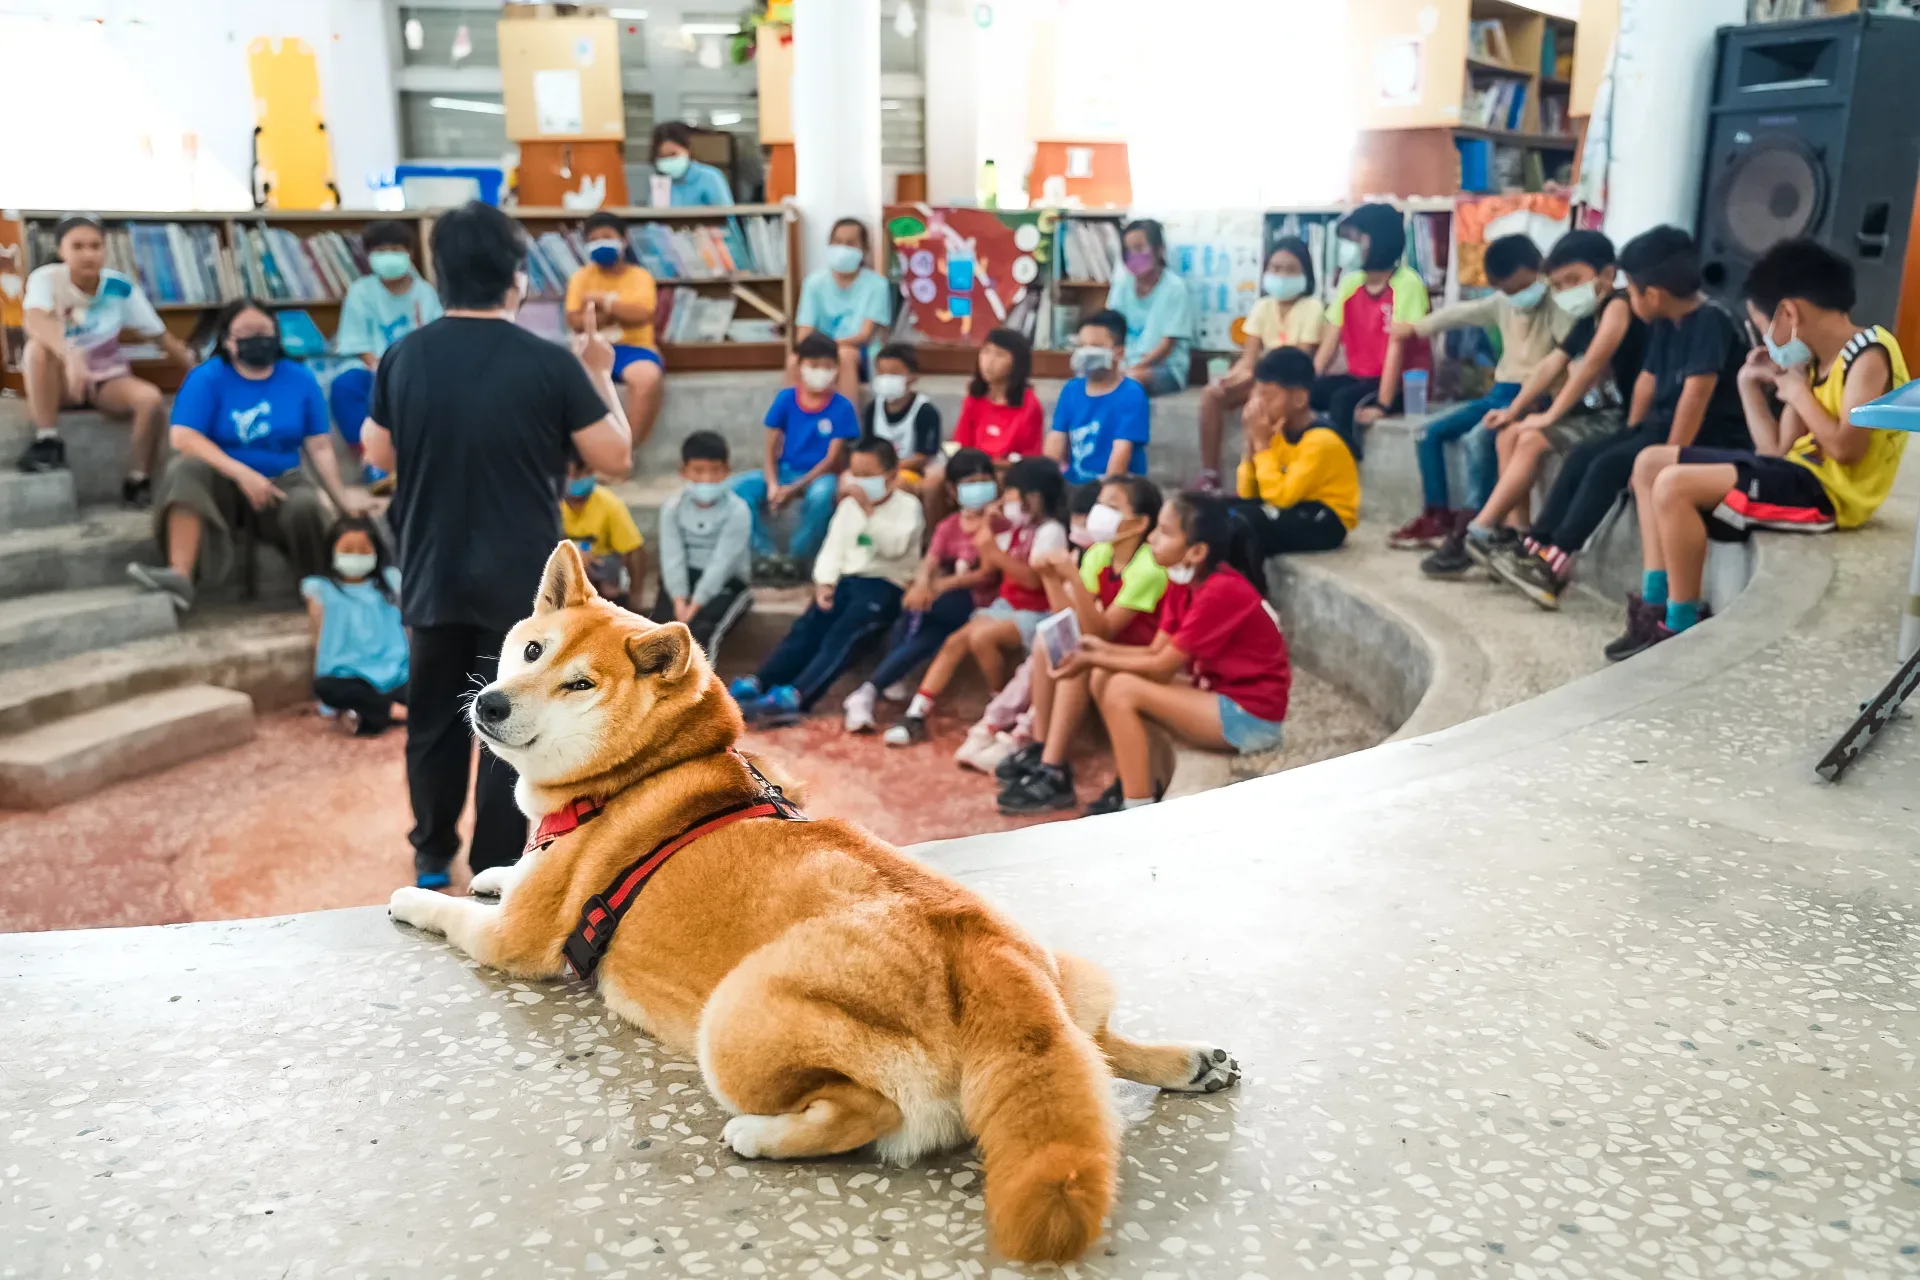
{"points": [[707, 492], [977, 495], [1349, 255], [1790, 354], [1284, 288], [605, 253], [844, 258], [1530, 297], [581, 488]]}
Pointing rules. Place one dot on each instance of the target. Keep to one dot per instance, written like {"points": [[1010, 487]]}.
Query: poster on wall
{"points": [[1218, 254], [1480, 220], [964, 272]]}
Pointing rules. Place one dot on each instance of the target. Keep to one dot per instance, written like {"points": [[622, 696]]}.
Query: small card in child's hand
{"points": [[1060, 632]]}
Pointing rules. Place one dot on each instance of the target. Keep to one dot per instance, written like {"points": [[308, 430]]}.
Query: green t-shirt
{"points": [[1142, 582]]}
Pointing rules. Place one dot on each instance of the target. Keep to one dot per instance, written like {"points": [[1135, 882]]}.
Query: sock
{"points": [[46, 433], [138, 477], [922, 704], [1557, 560], [1479, 533], [1532, 547], [1653, 586], [1128, 802], [1682, 614]]}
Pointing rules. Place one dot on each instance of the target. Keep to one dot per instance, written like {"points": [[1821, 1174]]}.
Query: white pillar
{"points": [[836, 118], [1663, 79], [950, 58]]}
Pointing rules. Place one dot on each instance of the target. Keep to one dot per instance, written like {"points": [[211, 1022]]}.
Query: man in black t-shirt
{"points": [[1686, 394], [473, 414]]}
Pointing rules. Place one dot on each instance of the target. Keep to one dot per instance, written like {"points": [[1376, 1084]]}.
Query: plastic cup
{"points": [[1413, 392], [1217, 368]]}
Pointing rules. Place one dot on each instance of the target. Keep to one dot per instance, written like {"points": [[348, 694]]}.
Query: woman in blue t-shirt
{"points": [[241, 424], [846, 300]]}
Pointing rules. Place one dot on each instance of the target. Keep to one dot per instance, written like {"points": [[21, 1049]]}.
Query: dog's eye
{"points": [[577, 686], [532, 652]]}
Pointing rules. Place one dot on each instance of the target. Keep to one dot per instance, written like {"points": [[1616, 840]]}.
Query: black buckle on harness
{"points": [[590, 938]]}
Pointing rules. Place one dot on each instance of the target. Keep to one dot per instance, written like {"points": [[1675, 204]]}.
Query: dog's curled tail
{"points": [[1035, 1091]]}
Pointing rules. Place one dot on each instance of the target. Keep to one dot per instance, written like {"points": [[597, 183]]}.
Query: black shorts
{"points": [[1772, 493]]}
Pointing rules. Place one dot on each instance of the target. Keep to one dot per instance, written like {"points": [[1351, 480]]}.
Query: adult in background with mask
{"points": [[1102, 420], [693, 183], [241, 423], [1158, 311], [473, 414], [624, 299], [379, 310], [1288, 314], [846, 300]]}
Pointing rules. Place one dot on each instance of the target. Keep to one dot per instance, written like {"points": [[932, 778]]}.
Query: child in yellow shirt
{"points": [[1299, 486], [594, 518], [622, 296]]}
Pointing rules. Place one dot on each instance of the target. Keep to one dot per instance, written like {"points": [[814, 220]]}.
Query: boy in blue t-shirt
{"points": [[378, 311], [1103, 419], [810, 430]]}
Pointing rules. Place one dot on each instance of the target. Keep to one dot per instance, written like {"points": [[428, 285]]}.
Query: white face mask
{"points": [[875, 487], [1103, 522], [1348, 255], [355, 564], [890, 386], [1015, 511], [816, 378], [1180, 574], [1581, 301]]}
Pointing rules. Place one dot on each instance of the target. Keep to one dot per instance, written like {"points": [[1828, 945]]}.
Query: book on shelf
{"points": [[686, 316], [751, 245], [175, 263], [1496, 105], [1553, 116], [278, 266], [1487, 42], [1091, 249]]}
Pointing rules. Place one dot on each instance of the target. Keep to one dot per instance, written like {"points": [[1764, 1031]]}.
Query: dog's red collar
{"points": [[602, 913]]}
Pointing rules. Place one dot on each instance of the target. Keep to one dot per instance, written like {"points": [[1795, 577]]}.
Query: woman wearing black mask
{"points": [[240, 426]]}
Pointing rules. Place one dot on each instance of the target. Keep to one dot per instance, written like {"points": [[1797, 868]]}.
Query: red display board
{"points": [[965, 272]]}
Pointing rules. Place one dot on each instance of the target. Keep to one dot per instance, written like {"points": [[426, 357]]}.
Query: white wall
{"points": [[104, 95]]}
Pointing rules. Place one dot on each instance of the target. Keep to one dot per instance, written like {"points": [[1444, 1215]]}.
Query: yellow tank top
{"points": [[1856, 491]]}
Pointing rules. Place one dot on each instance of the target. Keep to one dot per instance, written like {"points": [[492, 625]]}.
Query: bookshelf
{"points": [[221, 250], [1086, 257]]}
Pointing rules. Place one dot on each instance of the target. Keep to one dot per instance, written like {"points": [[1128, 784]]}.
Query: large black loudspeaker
{"points": [[1814, 131]]}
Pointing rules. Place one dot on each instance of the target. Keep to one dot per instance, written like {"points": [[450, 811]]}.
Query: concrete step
{"points": [[44, 628], [37, 500], [92, 552], [98, 448], [64, 761]]}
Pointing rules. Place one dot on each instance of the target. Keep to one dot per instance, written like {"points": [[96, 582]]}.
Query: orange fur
{"points": [[835, 993]]}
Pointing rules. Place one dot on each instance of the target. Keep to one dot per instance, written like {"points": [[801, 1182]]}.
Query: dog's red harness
{"points": [[601, 915]]}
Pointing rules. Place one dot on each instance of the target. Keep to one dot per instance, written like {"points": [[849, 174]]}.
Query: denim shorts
{"points": [[1027, 620], [1247, 733], [1161, 382]]}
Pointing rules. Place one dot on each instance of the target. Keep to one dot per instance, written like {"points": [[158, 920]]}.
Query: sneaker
{"points": [[137, 495], [745, 689], [859, 709], [1021, 763], [166, 581], [1533, 576], [780, 706], [1451, 560], [1482, 550], [766, 570], [909, 731], [1108, 801], [898, 691], [1425, 532], [432, 880], [967, 754], [989, 758], [348, 723], [1047, 788], [46, 453], [1641, 620], [1208, 481]]}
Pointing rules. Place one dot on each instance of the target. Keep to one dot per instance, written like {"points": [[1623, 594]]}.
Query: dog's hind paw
{"points": [[750, 1136], [1213, 1070], [417, 907]]}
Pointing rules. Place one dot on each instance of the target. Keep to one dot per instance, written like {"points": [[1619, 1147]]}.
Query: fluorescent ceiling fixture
{"points": [[628, 15], [726, 117], [467, 104], [710, 28]]}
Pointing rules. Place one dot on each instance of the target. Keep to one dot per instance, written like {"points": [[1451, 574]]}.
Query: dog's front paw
{"points": [[491, 883], [1213, 1070], [748, 1135], [417, 907]]}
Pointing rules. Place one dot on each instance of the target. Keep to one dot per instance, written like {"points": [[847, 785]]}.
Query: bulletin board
{"points": [[1478, 220], [962, 273]]}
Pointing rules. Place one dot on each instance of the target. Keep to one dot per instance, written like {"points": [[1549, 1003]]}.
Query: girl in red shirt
{"points": [[1215, 622], [1001, 414]]}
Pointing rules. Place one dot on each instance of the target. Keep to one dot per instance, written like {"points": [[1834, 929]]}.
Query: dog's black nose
{"points": [[493, 706]]}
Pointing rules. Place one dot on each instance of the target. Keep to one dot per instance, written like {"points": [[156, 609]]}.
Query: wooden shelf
{"points": [[1497, 69], [1534, 141], [1555, 84], [665, 281], [683, 357], [1086, 284]]}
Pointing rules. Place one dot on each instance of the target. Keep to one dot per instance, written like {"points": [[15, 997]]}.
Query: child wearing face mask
{"points": [[949, 586], [706, 546], [594, 517], [845, 300], [1102, 421], [1299, 486], [1530, 329], [1375, 291], [901, 416], [360, 643], [859, 579], [809, 429], [1035, 508], [624, 299], [378, 311], [1288, 314]]}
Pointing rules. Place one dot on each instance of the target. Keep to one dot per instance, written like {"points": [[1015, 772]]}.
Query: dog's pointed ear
{"points": [[666, 651], [565, 582]]}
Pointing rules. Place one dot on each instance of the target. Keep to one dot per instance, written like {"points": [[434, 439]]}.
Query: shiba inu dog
{"points": [[835, 992]]}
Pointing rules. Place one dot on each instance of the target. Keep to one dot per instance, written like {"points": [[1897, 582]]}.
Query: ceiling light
{"points": [[467, 104], [710, 28], [723, 118], [628, 15]]}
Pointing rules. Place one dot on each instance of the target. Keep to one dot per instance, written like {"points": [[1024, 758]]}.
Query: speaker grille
{"points": [[1775, 189]]}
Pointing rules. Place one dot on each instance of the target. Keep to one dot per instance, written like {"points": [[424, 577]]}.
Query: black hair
{"points": [[705, 446], [1040, 476], [1386, 234], [1285, 367], [223, 324], [603, 220], [866, 239], [575, 459], [817, 346], [1509, 254], [1208, 518], [1015, 344], [672, 131], [476, 251], [1143, 495], [1663, 258], [1804, 270], [1082, 498], [73, 222], [1112, 321], [1590, 247], [967, 463], [1155, 234], [904, 352], [1298, 248], [880, 448], [382, 558], [385, 233]]}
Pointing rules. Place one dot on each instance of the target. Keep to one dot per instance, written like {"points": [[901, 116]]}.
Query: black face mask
{"points": [[260, 352]]}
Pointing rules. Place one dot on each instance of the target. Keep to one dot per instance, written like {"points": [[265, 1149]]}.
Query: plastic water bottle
{"points": [[1413, 392]]}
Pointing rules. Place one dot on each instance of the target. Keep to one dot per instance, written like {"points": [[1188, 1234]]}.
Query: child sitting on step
{"points": [[595, 518], [360, 644], [706, 537]]}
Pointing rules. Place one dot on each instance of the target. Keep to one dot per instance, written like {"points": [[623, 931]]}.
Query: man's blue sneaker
{"points": [[781, 706], [432, 880], [744, 690]]}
